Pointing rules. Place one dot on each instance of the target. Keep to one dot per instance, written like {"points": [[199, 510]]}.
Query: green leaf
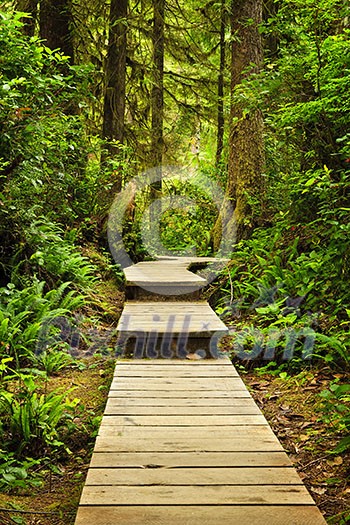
{"points": [[342, 446]]}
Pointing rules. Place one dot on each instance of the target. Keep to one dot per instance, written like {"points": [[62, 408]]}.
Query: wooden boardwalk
{"points": [[182, 442]]}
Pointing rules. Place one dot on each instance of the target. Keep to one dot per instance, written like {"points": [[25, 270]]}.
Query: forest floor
{"points": [[293, 407]]}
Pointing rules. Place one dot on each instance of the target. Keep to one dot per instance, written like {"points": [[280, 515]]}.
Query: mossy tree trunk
{"points": [[157, 103], [115, 77], [245, 186], [221, 87]]}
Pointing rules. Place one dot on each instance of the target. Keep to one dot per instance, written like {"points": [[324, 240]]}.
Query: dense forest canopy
{"points": [[251, 95]]}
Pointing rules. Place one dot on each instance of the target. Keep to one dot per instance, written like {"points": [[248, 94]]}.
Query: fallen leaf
{"points": [[336, 461], [194, 357], [303, 475], [285, 407], [306, 424], [319, 490]]}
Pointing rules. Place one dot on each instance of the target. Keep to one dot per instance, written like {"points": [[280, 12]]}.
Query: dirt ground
{"points": [[293, 407]]}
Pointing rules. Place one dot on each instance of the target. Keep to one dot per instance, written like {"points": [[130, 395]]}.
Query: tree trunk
{"points": [[30, 7], [221, 120], [56, 26], [115, 78], [245, 187], [157, 100]]}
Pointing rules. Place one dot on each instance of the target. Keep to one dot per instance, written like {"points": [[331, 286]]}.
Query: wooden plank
{"points": [[159, 371], [156, 273], [172, 383], [171, 317], [196, 307], [189, 421], [220, 361], [166, 433], [168, 379], [181, 371], [194, 327], [149, 403], [193, 477], [212, 383], [189, 459], [197, 495], [142, 309], [111, 443], [179, 321], [172, 372], [201, 515], [189, 393], [188, 260], [182, 383], [117, 410]]}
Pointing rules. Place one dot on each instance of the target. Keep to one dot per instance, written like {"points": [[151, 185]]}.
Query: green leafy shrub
{"points": [[44, 166], [50, 255], [33, 423], [336, 412], [23, 313], [16, 473], [53, 361]]}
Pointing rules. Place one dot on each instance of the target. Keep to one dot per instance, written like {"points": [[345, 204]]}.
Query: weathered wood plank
{"points": [[173, 372], [189, 459], [193, 477], [166, 433], [174, 444], [115, 409], [192, 259], [189, 393], [192, 328], [189, 421], [170, 384], [123, 403], [212, 383], [171, 317], [201, 515], [166, 373], [195, 307], [220, 361], [179, 326], [197, 495], [149, 273]]}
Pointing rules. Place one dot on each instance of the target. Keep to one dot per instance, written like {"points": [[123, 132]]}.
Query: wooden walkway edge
{"points": [[182, 442]]}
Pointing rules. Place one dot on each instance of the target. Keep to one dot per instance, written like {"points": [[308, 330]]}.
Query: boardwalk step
{"points": [[169, 277], [171, 329], [200, 515]]}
